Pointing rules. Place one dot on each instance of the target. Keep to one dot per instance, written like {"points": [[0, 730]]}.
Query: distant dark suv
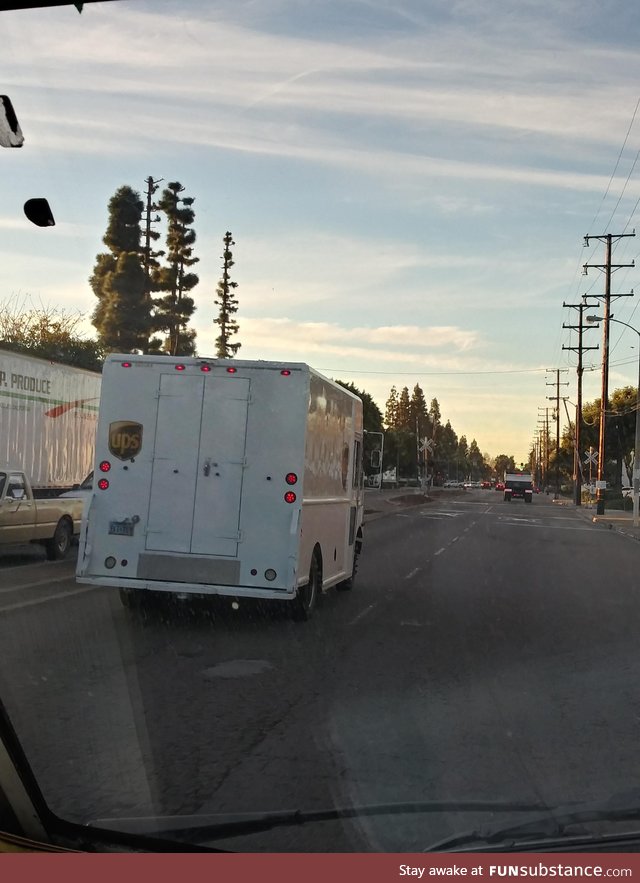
{"points": [[518, 485]]}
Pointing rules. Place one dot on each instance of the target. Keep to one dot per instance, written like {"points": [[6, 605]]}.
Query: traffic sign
{"points": [[591, 457], [427, 445]]}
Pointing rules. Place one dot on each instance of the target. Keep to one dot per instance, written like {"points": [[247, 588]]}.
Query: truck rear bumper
{"points": [[189, 588]]}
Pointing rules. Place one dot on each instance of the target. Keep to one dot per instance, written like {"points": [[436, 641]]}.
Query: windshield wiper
{"points": [[553, 824], [197, 828]]}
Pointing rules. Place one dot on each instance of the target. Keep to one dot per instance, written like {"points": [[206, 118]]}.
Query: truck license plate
{"points": [[121, 528]]}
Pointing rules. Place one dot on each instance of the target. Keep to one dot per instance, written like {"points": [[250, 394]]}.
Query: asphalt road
{"points": [[488, 651]]}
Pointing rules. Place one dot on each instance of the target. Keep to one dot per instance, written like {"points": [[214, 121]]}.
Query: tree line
{"points": [[406, 423], [620, 428], [144, 294]]}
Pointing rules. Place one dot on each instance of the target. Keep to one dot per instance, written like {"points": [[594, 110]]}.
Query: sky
{"points": [[408, 184]]}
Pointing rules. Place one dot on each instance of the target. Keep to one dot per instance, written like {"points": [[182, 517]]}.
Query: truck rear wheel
{"points": [[58, 546], [307, 597], [128, 598], [347, 584]]}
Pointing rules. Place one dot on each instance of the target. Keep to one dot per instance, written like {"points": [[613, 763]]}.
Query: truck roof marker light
{"points": [[105, 466], [125, 364], [180, 367], [103, 484], [291, 478], [285, 372], [290, 497], [205, 368], [232, 370]]}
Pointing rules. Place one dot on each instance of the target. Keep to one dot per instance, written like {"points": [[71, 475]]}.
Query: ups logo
{"points": [[125, 439]]}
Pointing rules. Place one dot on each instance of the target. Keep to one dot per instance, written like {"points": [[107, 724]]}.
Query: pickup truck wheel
{"points": [[305, 602], [58, 546]]}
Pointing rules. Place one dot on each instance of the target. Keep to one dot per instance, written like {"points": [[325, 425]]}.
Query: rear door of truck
{"points": [[198, 463]]}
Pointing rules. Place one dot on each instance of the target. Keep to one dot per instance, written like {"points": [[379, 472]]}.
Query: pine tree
{"points": [[391, 409], [418, 410], [122, 316], [228, 305], [404, 411], [174, 310]]}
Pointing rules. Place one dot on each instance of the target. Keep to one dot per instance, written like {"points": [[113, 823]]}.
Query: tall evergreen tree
{"points": [[174, 310], [228, 304], [122, 316], [391, 409], [404, 411], [419, 416]]}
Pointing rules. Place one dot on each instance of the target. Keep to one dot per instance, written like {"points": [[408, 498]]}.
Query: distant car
{"points": [[500, 485], [486, 485]]}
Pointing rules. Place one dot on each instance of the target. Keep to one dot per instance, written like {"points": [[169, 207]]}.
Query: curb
{"points": [[601, 521]]}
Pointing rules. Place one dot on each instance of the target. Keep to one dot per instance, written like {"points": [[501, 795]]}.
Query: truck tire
{"points": [[128, 598], [347, 584], [307, 597], [58, 546]]}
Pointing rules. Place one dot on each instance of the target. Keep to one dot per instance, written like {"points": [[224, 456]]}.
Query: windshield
{"points": [[310, 291]]}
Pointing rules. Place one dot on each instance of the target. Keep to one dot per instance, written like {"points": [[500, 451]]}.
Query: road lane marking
{"points": [[548, 526], [454, 540], [35, 601], [41, 582], [440, 550], [413, 573], [362, 614]]}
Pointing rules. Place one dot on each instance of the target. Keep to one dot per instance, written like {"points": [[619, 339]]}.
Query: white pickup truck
{"points": [[52, 523]]}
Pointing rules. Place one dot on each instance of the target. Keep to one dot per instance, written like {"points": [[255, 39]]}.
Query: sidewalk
{"points": [[614, 519]]}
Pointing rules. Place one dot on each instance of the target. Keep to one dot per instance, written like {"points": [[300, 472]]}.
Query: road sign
{"points": [[427, 445], [591, 457]]}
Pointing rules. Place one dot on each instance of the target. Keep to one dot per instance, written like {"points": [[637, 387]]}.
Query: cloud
{"points": [[280, 96]]}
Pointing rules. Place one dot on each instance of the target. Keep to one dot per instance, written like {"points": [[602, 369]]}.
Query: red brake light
{"points": [[285, 372], [289, 497], [291, 478], [103, 484], [205, 368], [125, 364], [105, 466], [232, 370], [180, 367]]}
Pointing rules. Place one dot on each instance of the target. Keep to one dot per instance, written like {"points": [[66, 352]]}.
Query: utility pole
{"points": [[577, 464], [607, 268], [556, 398], [149, 234], [543, 421]]}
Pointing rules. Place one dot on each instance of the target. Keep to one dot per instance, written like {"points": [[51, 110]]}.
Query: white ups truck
{"points": [[223, 477]]}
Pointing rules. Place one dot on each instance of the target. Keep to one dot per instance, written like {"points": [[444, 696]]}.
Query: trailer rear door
{"points": [[198, 462]]}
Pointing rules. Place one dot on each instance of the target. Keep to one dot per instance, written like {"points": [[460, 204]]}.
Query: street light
{"points": [[636, 453]]}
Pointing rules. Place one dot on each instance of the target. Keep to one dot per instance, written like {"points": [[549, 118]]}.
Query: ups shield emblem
{"points": [[125, 439]]}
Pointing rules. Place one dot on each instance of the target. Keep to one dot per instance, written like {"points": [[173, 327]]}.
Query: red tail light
{"points": [[285, 372], [125, 364], [180, 367], [105, 466], [291, 478], [103, 484], [232, 370], [289, 497], [205, 368]]}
